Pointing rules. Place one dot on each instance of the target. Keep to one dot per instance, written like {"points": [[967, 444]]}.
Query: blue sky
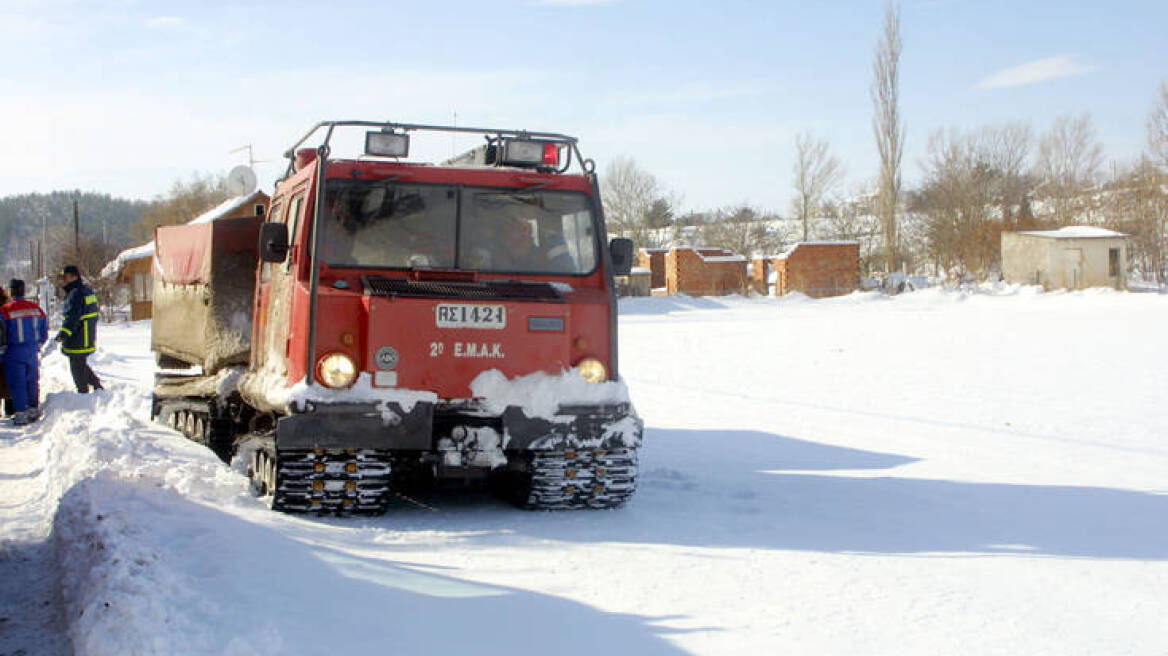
{"points": [[124, 97]]}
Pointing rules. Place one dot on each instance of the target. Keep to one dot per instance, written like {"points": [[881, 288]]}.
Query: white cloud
{"points": [[1036, 71]]}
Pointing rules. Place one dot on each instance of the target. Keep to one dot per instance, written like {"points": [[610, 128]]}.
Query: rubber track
{"points": [[332, 481], [582, 478]]}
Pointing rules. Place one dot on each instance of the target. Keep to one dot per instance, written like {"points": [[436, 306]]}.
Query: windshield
{"points": [[384, 224]]}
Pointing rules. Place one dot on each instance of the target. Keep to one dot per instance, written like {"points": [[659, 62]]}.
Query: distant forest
{"points": [[44, 222]]}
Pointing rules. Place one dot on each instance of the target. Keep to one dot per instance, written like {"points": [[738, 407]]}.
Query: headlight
{"points": [[592, 370], [336, 370]]}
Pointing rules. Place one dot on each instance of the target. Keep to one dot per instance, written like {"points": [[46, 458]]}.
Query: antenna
{"points": [[251, 160]]}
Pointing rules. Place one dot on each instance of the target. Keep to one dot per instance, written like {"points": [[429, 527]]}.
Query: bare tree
{"points": [[852, 219], [90, 258], [816, 173], [1069, 157], [183, 202], [886, 125], [1007, 149], [633, 202], [1137, 205], [975, 186], [1158, 127], [742, 230], [956, 201]]}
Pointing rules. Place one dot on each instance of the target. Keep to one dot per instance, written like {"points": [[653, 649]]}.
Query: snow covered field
{"points": [[935, 473]]}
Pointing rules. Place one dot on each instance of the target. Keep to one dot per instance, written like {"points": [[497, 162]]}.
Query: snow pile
{"points": [[541, 394], [116, 478]]}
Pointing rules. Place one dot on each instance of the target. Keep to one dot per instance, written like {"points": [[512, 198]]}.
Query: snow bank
{"points": [[119, 483]]}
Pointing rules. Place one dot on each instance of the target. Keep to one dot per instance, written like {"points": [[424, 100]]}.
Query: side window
{"points": [[274, 215], [294, 220]]}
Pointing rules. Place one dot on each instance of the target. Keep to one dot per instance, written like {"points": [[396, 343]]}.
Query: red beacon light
{"points": [[551, 154], [513, 151]]}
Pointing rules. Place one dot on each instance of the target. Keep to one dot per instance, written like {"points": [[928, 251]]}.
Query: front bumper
{"points": [[389, 427]]}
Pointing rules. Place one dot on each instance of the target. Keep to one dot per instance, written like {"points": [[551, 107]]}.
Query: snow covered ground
{"points": [[941, 472]]}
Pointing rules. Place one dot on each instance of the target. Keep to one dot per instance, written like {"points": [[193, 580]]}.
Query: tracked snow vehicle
{"points": [[394, 324]]}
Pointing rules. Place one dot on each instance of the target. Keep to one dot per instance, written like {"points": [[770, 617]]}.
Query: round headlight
{"points": [[592, 370], [336, 370]]}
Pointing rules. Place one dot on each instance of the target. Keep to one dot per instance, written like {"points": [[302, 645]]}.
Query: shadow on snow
{"points": [[760, 490]]}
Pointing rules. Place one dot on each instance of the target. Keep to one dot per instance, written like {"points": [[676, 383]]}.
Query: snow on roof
{"points": [[1075, 232], [115, 265], [147, 250], [793, 247], [223, 209]]}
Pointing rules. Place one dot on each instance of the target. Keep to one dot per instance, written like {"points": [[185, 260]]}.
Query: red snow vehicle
{"points": [[394, 324]]}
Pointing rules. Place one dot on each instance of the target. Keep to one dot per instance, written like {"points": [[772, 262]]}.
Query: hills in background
{"points": [[39, 225]]}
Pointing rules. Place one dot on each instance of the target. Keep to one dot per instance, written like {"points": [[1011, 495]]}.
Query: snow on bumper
{"points": [[389, 426]]}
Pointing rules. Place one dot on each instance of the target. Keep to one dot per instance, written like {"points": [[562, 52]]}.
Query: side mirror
{"points": [[621, 251], [273, 242]]}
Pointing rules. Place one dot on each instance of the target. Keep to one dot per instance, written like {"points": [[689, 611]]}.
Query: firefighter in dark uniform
{"points": [[78, 336]]}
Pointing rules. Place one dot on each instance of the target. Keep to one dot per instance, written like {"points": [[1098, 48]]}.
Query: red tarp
{"points": [[183, 253]]}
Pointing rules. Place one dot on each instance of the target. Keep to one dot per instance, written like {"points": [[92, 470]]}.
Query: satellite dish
{"points": [[241, 181]]}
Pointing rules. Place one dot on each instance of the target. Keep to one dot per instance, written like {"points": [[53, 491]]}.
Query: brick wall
{"points": [[760, 268], [819, 269], [653, 259], [704, 272]]}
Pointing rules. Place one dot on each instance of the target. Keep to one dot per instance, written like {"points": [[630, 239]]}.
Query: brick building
{"points": [[704, 271], [817, 269]]}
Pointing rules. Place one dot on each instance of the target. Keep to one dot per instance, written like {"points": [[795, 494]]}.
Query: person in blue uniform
{"points": [[24, 329], [78, 335], [6, 404]]}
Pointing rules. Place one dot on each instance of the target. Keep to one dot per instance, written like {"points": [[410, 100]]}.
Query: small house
{"points": [[1074, 257]]}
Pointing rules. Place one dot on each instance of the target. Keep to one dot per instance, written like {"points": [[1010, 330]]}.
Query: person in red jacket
{"points": [[23, 329]]}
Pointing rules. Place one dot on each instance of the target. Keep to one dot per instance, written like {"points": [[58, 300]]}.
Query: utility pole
{"points": [[76, 229]]}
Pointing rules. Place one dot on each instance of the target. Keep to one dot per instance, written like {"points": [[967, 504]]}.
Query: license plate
{"points": [[458, 315]]}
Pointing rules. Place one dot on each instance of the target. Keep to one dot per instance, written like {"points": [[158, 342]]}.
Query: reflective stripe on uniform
{"points": [[88, 316], [91, 299], [91, 349], [66, 331]]}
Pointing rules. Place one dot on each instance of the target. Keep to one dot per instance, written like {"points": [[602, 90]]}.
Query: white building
{"points": [[1075, 257]]}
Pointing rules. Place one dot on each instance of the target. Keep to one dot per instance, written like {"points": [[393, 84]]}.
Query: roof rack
{"points": [[492, 135]]}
